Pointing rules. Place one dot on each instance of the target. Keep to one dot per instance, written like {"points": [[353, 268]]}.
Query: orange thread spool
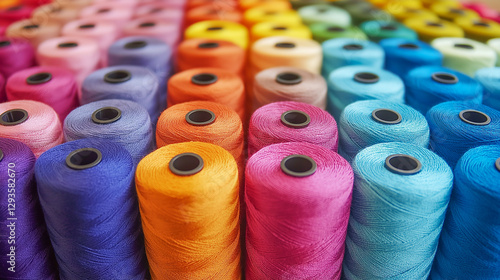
{"points": [[192, 4], [208, 84], [190, 218], [195, 53], [209, 12], [282, 4]]}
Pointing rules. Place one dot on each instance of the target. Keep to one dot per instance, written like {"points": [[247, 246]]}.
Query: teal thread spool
{"points": [[377, 30]]}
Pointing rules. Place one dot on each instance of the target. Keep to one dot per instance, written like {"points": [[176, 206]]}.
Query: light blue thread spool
{"points": [[490, 79]]}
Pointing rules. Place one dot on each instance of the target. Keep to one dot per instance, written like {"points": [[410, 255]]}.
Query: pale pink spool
{"points": [[15, 54], [296, 226], [54, 14], [107, 12], [104, 34], [118, 3], [266, 127], [60, 91], [82, 59], [160, 11], [168, 32], [33, 31], [42, 129]]}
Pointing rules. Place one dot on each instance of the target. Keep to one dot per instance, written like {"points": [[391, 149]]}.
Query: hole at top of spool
{"points": [[481, 23], [403, 164], [13, 117], [322, 10], [497, 164], [5, 43], [295, 119], [434, 24], [117, 76], [106, 115], [155, 10], [208, 45], [474, 117], [15, 8], [67, 45], [335, 29], [413, 11], [389, 27], [31, 26], [215, 28], [285, 45], [353, 47], [445, 78], [200, 117], [298, 165], [464, 46], [136, 44], [386, 116], [204, 79], [410, 46], [270, 13], [147, 24], [456, 11], [288, 78], [87, 26], [39, 78], [186, 164], [366, 78], [84, 158], [104, 10], [278, 28]]}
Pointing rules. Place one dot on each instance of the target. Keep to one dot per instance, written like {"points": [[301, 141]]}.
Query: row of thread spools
{"points": [[261, 210]]}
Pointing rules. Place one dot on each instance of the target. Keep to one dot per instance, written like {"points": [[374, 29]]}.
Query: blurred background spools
{"points": [[88, 198], [323, 31], [33, 31], [32, 123], [452, 12], [458, 126], [213, 12], [472, 210], [189, 202], [79, 55], [53, 86], [54, 13], [270, 14], [490, 80], [342, 52], [353, 83], [362, 11], [427, 86], [196, 53], [277, 4], [324, 14], [295, 232], [465, 55], [121, 121], [377, 30], [2, 89], [160, 10], [14, 13], [495, 45], [369, 122], [166, 31], [288, 84], [404, 13], [15, 54], [398, 209], [270, 29], [403, 55], [219, 30], [208, 84], [290, 121], [108, 12], [429, 30], [125, 82], [479, 30], [33, 256]]}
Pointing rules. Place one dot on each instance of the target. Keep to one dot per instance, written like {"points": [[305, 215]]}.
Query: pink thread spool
{"points": [[290, 121], [3, 28], [298, 198], [36, 3], [54, 14], [32, 123], [160, 11], [15, 55], [180, 4], [108, 12], [53, 86], [2, 89], [104, 33], [16, 13], [119, 3], [79, 55], [33, 31], [166, 31]]}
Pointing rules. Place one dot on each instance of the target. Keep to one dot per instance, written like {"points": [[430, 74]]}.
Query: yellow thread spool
{"points": [[219, 30], [429, 30], [481, 30]]}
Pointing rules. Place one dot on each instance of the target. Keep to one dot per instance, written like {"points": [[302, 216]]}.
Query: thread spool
{"points": [[79, 55], [104, 34], [2, 89], [451, 3], [14, 13], [290, 121], [344, 52], [495, 45], [24, 226], [474, 193], [489, 79], [180, 5], [147, 52], [40, 84], [107, 12], [54, 13], [101, 174], [162, 11], [324, 14], [354, 83], [362, 11], [193, 4], [288, 84], [32, 123], [121, 121], [270, 14], [163, 30], [213, 12], [481, 30], [208, 84], [402, 55], [200, 183], [322, 32], [452, 12], [457, 127], [296, 4], [396, 182], [369, 122], [33, 31], [219, 30], [284, 243], [248, 4], [270, 29], [74, 4], [427, 86], [465, 55], [428, 30], [405, 13], [125, 82], [378, 30], [196, 53]]}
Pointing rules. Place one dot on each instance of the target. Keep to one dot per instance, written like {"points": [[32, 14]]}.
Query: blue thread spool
{"points": [[404, 55], [377, 30], [490, 80], [427, 86]]}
